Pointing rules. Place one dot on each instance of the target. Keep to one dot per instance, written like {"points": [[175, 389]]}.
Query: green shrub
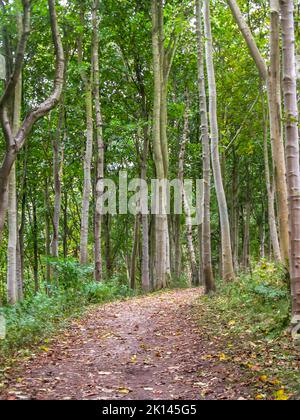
{"points": [[38, 316]]}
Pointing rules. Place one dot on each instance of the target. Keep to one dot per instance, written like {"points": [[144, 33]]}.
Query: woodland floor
{"points": [[146, 348]]}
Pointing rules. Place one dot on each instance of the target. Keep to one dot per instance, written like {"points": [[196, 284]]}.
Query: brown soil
{"points": [[146, 348]]}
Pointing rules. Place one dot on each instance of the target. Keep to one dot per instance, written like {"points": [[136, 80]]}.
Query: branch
{"points": [[53, 99], [19, 56], [246, 32]]}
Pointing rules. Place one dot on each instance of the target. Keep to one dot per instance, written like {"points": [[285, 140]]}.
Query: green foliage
{"points": [[248, 320], [37, 317]]}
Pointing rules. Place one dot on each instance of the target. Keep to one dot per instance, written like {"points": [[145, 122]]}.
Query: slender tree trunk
{"points": [[100, 145], [235, 213], [12, 278], [208, 276], [160, 263], [35, 247], [270, 193], [57, 176], [189, 226], [274, 90], [134, 252], [246, 235], [292, 148], [65, 231], [227, 263], [145, 221]]}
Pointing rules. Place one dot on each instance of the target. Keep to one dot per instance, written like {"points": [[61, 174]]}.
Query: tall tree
{"points": [[292, 147], [227, 263], [271, 78], [206, 229], [14, 143], [100, 143]]}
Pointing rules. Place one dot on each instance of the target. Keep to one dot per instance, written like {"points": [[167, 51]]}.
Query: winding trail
{"points": [[146, 348]]}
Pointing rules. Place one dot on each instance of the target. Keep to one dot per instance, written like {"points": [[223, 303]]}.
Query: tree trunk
{"points": [[145, 221], [208, 276], [270, 192], [134, 252], [100, 144], [57, 176], [227, 263], [292, 148], [272, 81], [12, 259]]}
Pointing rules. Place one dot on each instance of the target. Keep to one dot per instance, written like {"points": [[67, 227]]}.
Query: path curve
{"points": [[145, 348]]}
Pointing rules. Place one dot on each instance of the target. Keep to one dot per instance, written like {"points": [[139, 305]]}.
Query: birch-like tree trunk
{"points": [[13, 288], [87, 184], [160, 259], [208, 276], [145, 220], [100, 145], [189, 225], [270, 192], [57, 176], [292, 147], [227, 263]]}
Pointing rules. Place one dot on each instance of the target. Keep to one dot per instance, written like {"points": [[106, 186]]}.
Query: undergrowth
{"points": [[38, 316], [248, 320]]}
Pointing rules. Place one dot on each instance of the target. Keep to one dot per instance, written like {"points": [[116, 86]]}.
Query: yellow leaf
{"points": [[260, 397], [281, 395], [231, 323], [222, 357], [134, 359], [263, 378], [44, 348], [124, 391]]}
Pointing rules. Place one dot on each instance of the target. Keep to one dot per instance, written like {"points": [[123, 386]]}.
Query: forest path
{"points": [[145, 348]]}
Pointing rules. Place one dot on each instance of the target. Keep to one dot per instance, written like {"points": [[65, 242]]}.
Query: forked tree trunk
{"points": [[272, 81], [208, 276], [227, 263], [292, 148]]}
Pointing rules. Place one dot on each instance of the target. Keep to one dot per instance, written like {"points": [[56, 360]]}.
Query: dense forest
{"points": [[150, 150]]}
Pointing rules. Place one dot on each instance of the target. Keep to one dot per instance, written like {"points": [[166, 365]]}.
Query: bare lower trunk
{"points": [[145, 221], [57, 176], [292, 148], [87, 186], [134, 252], [227, 263], [270, 193], [246, 236], [208, 276], [13, 288], [100, 145]]}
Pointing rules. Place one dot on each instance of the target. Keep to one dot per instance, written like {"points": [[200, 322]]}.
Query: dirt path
{"points": [[146, 348]]}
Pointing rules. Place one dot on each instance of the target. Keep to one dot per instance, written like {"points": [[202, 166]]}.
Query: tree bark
{"points": [[272, 81], [292, 148], [14, 289], [100, 145], [87, 185], [270, 192], [227, 263], [15, 142], [208, 276]]}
